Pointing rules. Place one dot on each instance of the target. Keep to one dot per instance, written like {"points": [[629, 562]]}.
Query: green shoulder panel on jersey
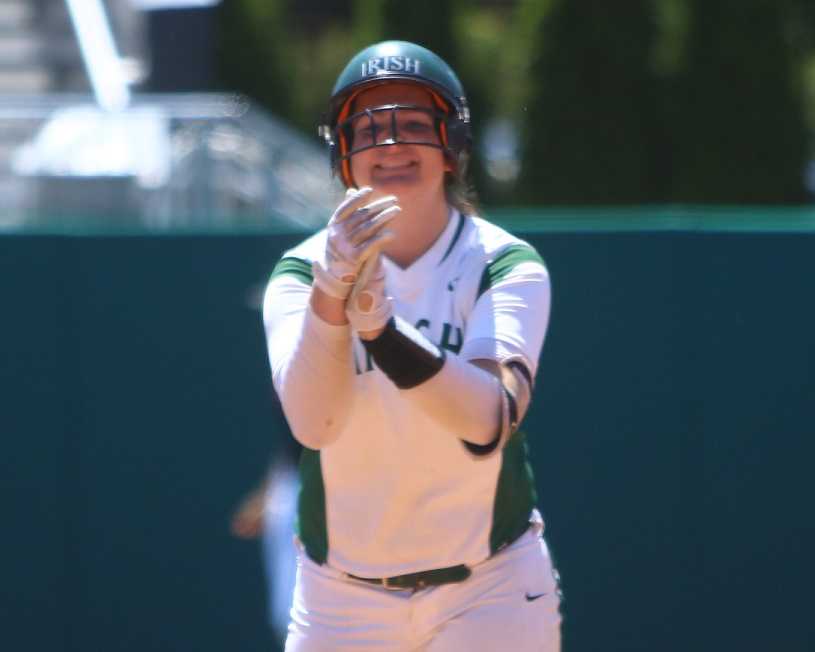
{"points": [[297, 267], [515, 495], [500, 266], [312, 526]]}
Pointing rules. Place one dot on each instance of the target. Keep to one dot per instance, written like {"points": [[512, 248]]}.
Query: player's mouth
{"points": [[395, 171]]}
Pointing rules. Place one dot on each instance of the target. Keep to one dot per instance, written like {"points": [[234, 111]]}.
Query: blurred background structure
{"points": [[109, 119], [678, 102], [157, 157]]}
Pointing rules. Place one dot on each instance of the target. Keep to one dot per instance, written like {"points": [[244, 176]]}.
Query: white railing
{"points": [[165, 162]]}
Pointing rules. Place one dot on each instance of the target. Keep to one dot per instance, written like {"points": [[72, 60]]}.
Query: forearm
{"points": [[463, 398], [314, 382]]}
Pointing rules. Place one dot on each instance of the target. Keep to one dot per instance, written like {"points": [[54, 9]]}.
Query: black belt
{"points": [[421, 580]]}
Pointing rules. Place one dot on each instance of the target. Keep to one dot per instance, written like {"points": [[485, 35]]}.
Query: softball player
{"points": [[403, 340]]}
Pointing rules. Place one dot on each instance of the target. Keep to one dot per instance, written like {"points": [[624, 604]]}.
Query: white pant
{"points": [[511, 602]]}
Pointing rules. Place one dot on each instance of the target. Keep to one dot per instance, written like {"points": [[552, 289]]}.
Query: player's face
{"points": [[400, 167]]}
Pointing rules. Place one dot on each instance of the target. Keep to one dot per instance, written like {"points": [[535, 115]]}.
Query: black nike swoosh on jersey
{"points": [[531, 598]]}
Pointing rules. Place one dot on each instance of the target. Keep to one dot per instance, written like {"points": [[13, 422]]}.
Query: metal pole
{"points": [[99, 53]]}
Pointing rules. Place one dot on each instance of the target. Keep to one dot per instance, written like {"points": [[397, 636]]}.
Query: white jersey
{"points": [[395, 493]]}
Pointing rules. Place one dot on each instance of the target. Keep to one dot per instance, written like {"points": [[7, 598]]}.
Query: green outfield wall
{"points": [[672, 435]]}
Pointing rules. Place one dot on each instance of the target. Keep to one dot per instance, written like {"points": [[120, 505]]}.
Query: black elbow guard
{"points": [[404, 355], [509, 424]]}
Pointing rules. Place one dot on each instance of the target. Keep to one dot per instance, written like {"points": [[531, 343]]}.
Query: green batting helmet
{"points": [[401, 61]]}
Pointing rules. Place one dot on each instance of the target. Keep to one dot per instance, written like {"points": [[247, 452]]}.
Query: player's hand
{"points": [[369, 308], [247, 521], [356, 231]]}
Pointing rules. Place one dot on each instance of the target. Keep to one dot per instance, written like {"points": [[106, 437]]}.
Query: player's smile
{"points": [[395, 171]]}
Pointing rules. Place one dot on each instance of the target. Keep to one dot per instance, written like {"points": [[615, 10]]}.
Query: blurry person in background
{"points": [[268, 513]]}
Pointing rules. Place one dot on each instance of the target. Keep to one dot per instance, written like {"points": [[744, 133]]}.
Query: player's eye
{"points": [[364, 134], [417, 127], [418, 131]]}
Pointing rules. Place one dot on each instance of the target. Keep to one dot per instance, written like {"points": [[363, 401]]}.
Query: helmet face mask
{"points": [[395, 62], [391, 124]]}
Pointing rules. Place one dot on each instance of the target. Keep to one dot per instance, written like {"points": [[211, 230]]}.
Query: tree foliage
{"points": [[254, 52], [642, 101], [426, 22], [741, 135], [592, 110]]}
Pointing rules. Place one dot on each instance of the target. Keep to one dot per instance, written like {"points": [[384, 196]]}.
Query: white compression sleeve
{"points": [[312, 368], [463, 398]]}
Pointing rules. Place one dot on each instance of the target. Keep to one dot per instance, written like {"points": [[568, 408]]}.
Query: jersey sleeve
{"points": [[284, 307], [511, 311]]}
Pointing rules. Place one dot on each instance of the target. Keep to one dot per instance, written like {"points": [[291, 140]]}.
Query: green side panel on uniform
{"points": [[297, 267], [504, 263], [515, 494], [311, 519]]}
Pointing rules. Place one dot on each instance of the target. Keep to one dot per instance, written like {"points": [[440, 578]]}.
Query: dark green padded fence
{"points": [[672, 435]]}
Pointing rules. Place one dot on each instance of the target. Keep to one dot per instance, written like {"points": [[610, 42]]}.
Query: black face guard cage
{"points": [[342, 136]]}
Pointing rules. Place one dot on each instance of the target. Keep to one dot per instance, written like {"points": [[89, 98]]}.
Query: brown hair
{"points": [[459, 192]]}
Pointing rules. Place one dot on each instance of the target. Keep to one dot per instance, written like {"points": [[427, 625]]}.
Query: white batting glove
{"points": [[369, 308], [355, 233]]}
